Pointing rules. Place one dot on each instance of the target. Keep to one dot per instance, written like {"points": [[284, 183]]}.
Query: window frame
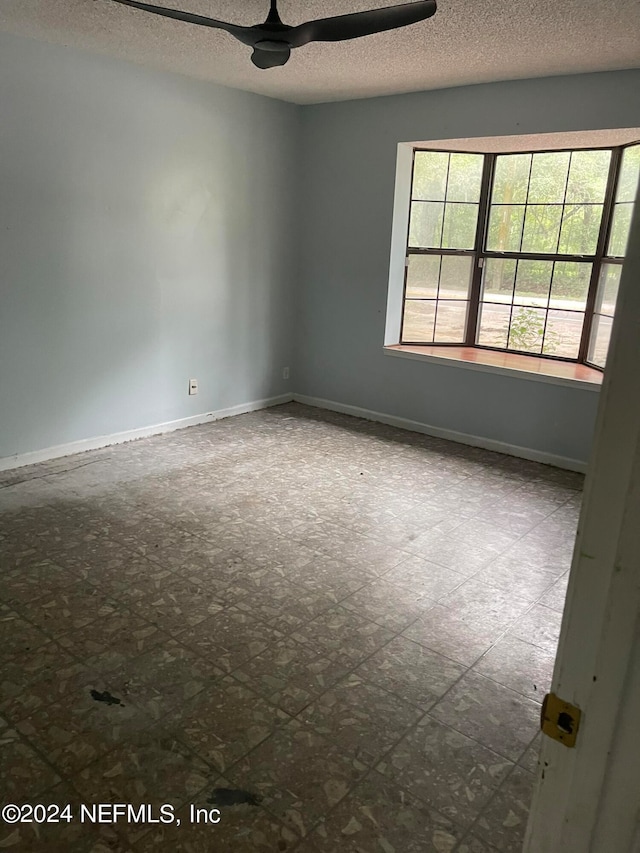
{"points": [[479, 253]]}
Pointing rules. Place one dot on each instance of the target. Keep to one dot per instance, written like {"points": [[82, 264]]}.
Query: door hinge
{"points": [[559, 719]]}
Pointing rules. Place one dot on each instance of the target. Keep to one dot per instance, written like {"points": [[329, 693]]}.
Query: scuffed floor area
{"points": [[335, 632]]}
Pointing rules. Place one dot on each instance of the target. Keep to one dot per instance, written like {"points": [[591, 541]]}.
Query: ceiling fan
{"points": [[273, 41]]}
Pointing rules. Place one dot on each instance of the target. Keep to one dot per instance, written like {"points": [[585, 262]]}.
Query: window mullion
{"points": [[603, 236], [481, 229]]}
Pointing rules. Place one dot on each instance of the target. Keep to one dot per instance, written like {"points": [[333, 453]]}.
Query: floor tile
{"points": [[76, 730], [291, 675], [500, 719], [285, 605], [475, 602], [23, 772], [539, 626], [224, 722], [360, 718], [444, 631], [379, 815], [529, 760], [17, 636], [426, 578], [447, 550], [390, 605], [129, 578], [230, 638], [341, 631], [555, 596], [449, 772], [153, 769], [298, 775], [411, 671], [163, 677], [504, 821], [68, 610], [525, 668], [179, 605], [113, 640], [510, 573], [473, 844], [37, 677], [331, 575], [32, 581]]}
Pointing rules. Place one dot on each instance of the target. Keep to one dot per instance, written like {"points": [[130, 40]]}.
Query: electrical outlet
{"points": [[285, 372], [193, 386]]}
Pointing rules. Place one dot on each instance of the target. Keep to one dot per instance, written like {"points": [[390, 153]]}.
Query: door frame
{"points": [[587, 798]]}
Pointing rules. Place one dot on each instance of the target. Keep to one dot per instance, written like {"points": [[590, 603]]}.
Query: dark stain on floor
{"points": [[105, 697], [233, 797]]}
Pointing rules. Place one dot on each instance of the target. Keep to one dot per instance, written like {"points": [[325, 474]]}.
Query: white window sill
{"points": [[512, 364]]}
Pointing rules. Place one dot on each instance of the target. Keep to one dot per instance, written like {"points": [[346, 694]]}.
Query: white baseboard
{"points": [[47, 453], [448, 434]]}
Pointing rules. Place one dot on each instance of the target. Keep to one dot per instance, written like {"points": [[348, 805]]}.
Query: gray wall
{"points": [[348, 173], [145, 238], [148, 233]]}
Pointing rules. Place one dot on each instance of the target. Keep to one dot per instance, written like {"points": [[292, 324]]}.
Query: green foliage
{"points": [[527, 329], [526, 332], [545, 181]]}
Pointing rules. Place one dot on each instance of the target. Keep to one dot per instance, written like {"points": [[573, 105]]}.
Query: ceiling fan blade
{"points": [[360, 24], [247, 35], [270, 58]]}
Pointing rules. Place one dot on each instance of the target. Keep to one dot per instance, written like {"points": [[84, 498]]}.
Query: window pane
{"points": [[505, 228], [628, 179], [425, 229], [526, 330], [588, 175], [418, 321], [548, 177], [493, 327], [541, 228], [570, 285], [620, 224], [580, 229], [465, 177], [608, 289], [455, 277], [460, 222], [533, 282], [511, 179], [563, 333], [541, 204], [451, 320], [498, 280], [422, 276], [600, 336], [430, 175]]}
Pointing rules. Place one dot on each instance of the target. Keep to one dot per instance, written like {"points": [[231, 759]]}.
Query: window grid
{"points": [[480, 254]]}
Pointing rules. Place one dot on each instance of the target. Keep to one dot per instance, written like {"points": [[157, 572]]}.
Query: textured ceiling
{"points": [[468, 41]]}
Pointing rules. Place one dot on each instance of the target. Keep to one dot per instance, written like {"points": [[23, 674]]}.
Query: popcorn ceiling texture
{"points": [[466, 42]]}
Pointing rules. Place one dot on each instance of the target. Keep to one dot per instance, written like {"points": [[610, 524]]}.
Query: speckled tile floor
{"points": [[348, 626]]}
